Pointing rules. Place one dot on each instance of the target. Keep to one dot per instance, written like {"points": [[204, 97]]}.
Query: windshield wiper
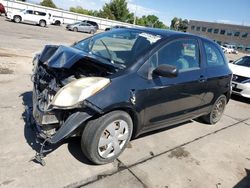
{"points": [[110, 56]]}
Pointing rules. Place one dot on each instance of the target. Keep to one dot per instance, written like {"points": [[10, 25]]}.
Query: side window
{"points": [[29, 12], [214, 57], [183, 54]]}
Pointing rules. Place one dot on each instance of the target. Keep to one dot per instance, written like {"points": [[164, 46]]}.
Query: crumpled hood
{"points": [[61, 56]]}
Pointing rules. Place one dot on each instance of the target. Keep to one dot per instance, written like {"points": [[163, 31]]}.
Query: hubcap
{"points": [[218, 110], [113, 139], [17, 19]]}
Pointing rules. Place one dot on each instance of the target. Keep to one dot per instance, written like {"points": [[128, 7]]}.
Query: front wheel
{"points": [[217, 111], [17, 19], [105, 138], [75, 29], [42, 23]]}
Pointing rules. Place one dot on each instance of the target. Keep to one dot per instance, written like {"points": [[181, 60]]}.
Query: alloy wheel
{"points": [[218, 109]]}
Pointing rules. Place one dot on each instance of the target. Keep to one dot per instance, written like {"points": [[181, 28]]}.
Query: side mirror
{"points": [[166, 71], [231, 61]]}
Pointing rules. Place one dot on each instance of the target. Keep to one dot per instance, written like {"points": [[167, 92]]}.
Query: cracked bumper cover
{"points": [[73, 121]]}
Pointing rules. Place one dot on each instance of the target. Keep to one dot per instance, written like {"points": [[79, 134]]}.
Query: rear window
{"points": [[213, 55]]}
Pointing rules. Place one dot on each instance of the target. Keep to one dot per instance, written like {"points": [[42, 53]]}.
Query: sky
{"points": [[223, 11]]}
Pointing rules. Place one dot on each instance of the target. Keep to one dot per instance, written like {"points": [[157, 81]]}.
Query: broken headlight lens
{"points": [[79, 90]]}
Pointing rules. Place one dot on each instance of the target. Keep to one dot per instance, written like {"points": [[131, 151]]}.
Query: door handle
{"points": [[202, 79]]}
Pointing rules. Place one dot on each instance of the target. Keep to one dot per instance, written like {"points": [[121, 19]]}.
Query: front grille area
{"points": [[237, 90], [239, 79], [45, 88]]}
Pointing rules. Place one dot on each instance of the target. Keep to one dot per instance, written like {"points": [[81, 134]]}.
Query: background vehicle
{"points": [[56, 20], [115, 27], [82, 27], [108, 87], [2, 9], [241, 76], [92, 23], [30, 16], [229, 49]]}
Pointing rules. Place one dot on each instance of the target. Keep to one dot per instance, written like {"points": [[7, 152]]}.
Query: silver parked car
{"points": [[82, 26]]}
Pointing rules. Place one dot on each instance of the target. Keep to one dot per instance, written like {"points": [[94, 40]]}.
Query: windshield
{"points": [[121, 46], [244, 61]]}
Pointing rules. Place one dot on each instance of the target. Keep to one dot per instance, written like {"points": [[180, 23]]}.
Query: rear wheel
{"points": [[75, 29], [17, 19], [217, 111], [42, 23], [105, 138], [57, 23]]}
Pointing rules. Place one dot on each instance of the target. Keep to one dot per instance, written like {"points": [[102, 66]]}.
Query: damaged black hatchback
{"points": [[122, 83]]}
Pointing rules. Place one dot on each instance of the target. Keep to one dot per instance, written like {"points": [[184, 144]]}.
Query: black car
{"points": [[115, 27], [109, 88], [92, 23]]}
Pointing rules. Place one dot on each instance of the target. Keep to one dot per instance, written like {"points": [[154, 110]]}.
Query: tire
{"points": [[58, 23], [17, 19], [217, 111], [42, 23], [91, 32], [97, 142], [75, 29]]}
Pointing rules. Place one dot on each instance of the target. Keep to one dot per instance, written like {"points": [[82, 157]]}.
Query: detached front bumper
{"points": [[50, 126]]}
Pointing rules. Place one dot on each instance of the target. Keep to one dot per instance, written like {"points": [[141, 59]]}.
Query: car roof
{"points": [[165, 33]]}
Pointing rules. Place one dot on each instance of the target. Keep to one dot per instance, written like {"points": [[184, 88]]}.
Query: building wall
{"points": [[237, 35]]}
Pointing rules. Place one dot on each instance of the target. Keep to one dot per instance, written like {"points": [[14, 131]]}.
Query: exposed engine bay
{"points": [[49, 78]]}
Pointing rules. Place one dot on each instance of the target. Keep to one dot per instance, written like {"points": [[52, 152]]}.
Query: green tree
{"points": [[179, 25], [116, 10], [48, 3], [151, 21]]}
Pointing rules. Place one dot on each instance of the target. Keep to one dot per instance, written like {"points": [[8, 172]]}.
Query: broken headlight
{"points": [[79, 90]]}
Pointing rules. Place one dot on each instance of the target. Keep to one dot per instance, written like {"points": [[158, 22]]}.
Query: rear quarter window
{"points": [[213, 55]]}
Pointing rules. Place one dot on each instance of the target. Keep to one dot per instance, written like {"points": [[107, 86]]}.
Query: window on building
{"points": [[247, 48], [192, 27], [198, 28], [240, 47], [244, 35], [204, 29], [229, 33], [237, 33], [219, 42], [222, 32], [216, 31], [209, 30]]}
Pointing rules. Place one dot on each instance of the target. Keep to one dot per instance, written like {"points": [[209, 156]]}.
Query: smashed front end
{"points": [[63, 79]]}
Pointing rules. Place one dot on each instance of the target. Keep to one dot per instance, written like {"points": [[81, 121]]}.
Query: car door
{"points": [[87, 27], [217, 71], [81, 27], [28, 16], [170, 100]]}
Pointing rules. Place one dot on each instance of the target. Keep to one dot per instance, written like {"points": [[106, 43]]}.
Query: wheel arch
{"points": [[18, 16], [42, 20], [133, 114]]}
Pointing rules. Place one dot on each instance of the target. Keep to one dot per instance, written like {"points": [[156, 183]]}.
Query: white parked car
{"points": [[30, 16], [241, 76], [56, 20], [230, 49]]}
